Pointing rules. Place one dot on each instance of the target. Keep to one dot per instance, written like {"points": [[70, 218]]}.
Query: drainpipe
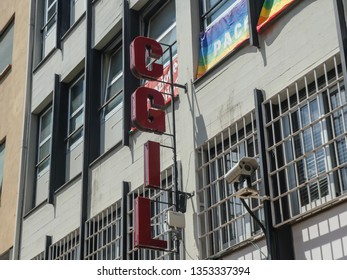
{"points": [[25, 140]]}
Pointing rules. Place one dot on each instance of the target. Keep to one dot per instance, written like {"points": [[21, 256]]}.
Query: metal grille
{"points": [[67, 248], [306, 140], [223, 221], [103, 235], [162, 202], [39, 257]]}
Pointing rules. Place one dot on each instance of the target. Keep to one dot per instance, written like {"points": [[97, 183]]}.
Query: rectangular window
{"points": [[223, 221], [214, 9], [6, 47], [49, 15], [48, 30], [306, 126], [2, 163], [162, 27], [113, 98], [112, 108], [77, 8], [43, 156], [44, 145], [76, 113]]}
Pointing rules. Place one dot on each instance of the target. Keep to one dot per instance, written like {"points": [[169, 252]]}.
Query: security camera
{"points": [[244, 168]]}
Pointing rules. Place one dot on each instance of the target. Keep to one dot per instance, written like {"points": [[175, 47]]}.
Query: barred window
{"points": [[68, 248], [162, 202], [39, 257], [223, 221], [306, 140], [103, 235]]}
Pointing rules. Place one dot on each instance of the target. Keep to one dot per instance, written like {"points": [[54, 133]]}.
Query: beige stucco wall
{"points": [[12, 91]]}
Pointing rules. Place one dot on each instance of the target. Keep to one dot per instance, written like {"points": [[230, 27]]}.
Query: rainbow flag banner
{"points": [[271, 9], [224, 36]]}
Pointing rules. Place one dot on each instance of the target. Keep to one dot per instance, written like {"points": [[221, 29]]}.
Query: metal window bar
{"points": [[39, 257], [311, 148], [103, 239], [163, 201], [66, 248], [223, 221]]}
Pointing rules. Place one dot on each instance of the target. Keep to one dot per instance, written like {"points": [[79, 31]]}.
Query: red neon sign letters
{"points": [[150, 119], [142, 226], [141, 49], [147, 114], [152, 164]]}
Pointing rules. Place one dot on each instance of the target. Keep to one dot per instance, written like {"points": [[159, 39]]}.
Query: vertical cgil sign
{"points": [[147, 114]]}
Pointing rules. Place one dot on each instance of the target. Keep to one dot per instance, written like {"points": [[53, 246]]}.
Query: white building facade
{"points": [[270, 87]]}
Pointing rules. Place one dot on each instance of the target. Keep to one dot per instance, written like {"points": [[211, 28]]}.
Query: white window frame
{"points": [[205, 10], [73, 114], [164, 33], [8, 31], [73, 18], [42, 142], [108, 84], [47, 30], [72, 12]]}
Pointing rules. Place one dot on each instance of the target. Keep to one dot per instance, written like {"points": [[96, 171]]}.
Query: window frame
{"points": [[41, 143], [213, 9], [147, 19], [46, 29], [108, 84], [72, 16], [70, 116], [8, 29]]}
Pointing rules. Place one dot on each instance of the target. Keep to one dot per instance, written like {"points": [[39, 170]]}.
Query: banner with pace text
{"points": [[224, 36], [231, 31], [271, 9]]}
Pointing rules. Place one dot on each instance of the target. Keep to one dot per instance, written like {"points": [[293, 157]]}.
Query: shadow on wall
{"points": [[273, 29], [322, 237]]}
